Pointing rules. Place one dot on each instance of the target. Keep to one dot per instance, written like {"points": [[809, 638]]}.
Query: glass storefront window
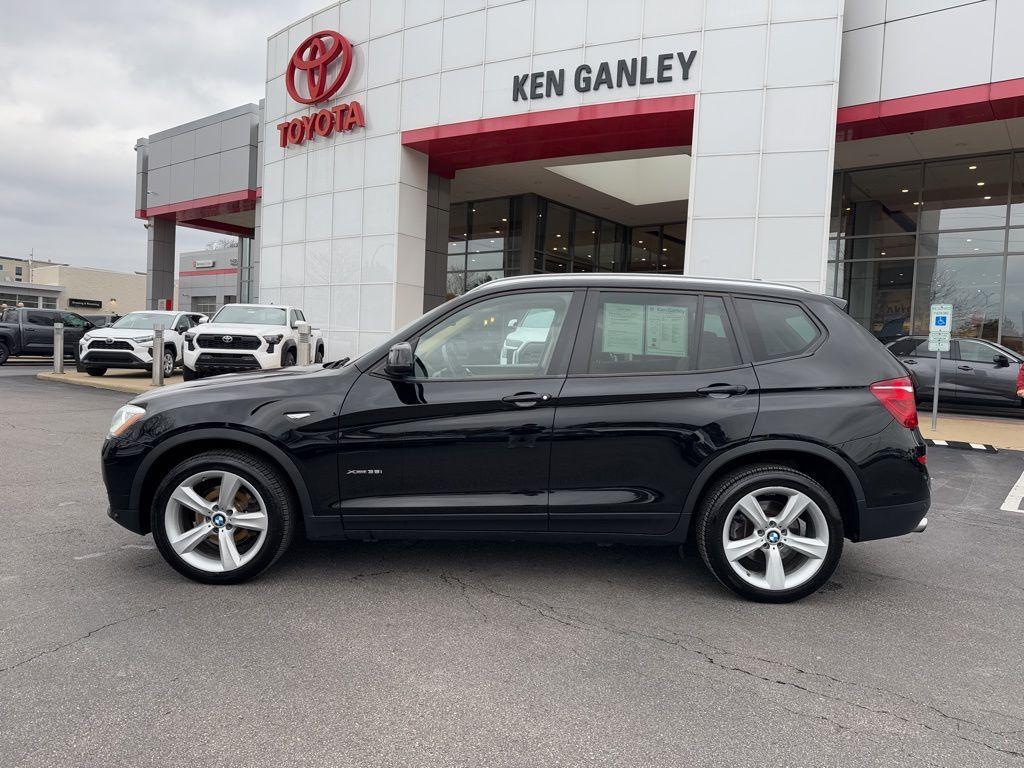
{"points": [[483, 238], [879, 248], [644, 249], [880, 201], [458, 226], [972, 285], [612, 246], [673, 247], [584, 243], [879, 295], [553, 236], [965, 193], [488, 225], [1013, 305], [473, 279], [961, 243]]}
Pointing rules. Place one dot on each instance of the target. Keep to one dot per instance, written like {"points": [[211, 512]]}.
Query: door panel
{"points": [[37, 332], [446, 455], [634, 421], [465, 442], [979, 380], [627, 448], [921, 363]]}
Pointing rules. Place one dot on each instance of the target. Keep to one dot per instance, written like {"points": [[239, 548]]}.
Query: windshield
{"points": [[143, 321], [242, 315]]}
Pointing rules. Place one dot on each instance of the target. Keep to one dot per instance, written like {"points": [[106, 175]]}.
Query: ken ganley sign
{"points": [[316, 71], [645, 70]]}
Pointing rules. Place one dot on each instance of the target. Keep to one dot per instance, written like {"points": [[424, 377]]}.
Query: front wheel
{"points": [[222, 517], [5, 352], [92, 371], [289, 359], [187, 374], [770, 533], [169, 361]]}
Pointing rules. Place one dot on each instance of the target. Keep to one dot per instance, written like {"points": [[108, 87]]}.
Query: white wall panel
{"points": [[860, 80], [802, 53], [422, 11], [930, 53], [902, 9], [420, 102], [1008, 53], [509, 31], [735, 13], [795, 183], [422, 51], [461, 95], [610, 21], [730, 122], [863, 13], [734, 59], [559, 24], [816, 123], [386, 16], [672, 17], [463, 44]]}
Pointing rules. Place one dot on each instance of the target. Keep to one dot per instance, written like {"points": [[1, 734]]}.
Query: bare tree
{"points": [[222, 242]]}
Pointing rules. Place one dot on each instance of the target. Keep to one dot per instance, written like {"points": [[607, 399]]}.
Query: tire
{"points": [[772, 486], [288, 358], [187, 374], [263, 489], [5, 352], [170, 361], [319, 355], [95, 371]]}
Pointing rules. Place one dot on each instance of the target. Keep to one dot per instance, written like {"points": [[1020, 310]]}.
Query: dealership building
{"points": [[404, 151]]}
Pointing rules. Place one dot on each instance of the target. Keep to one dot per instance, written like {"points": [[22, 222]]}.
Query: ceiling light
{"points": [[988, 197], [883, 253], [968, 239], [981, 183], [972, 167], [904, 190], [504, 219], [640, 241], [557, 235]]}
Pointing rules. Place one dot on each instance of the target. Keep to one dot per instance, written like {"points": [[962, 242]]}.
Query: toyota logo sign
{"points": [[227, 339], [326, 59], [314, 56]]}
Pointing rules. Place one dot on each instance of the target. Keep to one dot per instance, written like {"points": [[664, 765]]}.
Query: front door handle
{"points": [[964, 368], [722, 390], [526, 399], [910, 362]]}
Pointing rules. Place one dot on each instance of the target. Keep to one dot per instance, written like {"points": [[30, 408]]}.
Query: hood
{"points": [[250, 381], [227, 329], [118, 333]]}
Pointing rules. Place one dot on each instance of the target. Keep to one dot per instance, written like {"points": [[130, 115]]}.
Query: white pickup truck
{"points": [[247, 337]]}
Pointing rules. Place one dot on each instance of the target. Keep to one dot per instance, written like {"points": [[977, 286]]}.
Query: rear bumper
{"points": [[886, 522]]}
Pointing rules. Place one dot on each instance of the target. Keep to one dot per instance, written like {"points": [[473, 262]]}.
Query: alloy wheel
{"points": [[168, 364], [775, 538], [216, 521]]}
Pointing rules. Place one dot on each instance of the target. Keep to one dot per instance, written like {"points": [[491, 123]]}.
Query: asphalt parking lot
{"points": [[479, 654]]}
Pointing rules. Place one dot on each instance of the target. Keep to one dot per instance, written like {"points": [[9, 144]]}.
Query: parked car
{"points": [[247, 337], [103, 321], [973, 372], [128, 343], [757, 419], [29, 332]]}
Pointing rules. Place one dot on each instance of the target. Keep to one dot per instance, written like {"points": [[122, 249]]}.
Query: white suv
{"points": [[247, 337], [128, 343]]}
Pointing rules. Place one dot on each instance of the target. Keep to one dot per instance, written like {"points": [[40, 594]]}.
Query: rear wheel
{"points": [[5, 352], [319, 355], [770, 533], [223, 516]]}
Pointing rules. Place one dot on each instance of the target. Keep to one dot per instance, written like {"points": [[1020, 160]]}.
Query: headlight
{"points": [[144, 339], [190, 337], [87, 337], [273, 338], [126, 416]]}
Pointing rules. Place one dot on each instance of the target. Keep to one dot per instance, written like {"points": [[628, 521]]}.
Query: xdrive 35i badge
{"points": [[365, 472]]}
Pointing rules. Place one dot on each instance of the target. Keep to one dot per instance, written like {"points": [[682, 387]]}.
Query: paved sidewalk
{"points": [[1005, 433], [134, 382]]}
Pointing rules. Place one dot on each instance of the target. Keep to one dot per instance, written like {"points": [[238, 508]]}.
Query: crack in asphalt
{"points": [[86, 636], [676, 640]]}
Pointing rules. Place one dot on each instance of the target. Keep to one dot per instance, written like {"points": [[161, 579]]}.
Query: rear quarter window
{"points": [[776, 329]]}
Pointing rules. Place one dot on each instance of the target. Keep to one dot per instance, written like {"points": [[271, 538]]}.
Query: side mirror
{"points": [[203, 320], [401, 360], [1001, 361], [513, 324]]}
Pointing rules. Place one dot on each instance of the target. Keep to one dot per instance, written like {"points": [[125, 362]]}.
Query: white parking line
{"points": [[977, 446], [939, 442], [1015, 496]]}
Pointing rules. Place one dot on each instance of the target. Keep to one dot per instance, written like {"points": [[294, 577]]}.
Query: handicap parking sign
{"points": [[940, 321]]}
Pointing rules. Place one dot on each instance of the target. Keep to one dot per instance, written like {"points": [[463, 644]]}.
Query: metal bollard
{"points": [[158, 355], [58, 347], [303, 355]]}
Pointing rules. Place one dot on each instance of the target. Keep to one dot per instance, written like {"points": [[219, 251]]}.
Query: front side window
{"points": [[775, 329], [644, 333], [142, 321], [503, 337], [976, 352], [72, 321]]}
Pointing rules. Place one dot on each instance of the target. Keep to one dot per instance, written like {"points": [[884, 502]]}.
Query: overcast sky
{"points": [[81, 81]]}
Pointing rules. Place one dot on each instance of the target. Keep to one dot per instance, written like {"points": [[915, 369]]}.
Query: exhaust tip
{"points": [[922, 525]]}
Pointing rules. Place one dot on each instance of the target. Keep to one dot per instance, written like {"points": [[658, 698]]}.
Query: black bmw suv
{"points": [[758, 420]]}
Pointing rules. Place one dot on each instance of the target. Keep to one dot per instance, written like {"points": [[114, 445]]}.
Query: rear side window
{"points": [[644, 333], [776, 329], [39, 318]]}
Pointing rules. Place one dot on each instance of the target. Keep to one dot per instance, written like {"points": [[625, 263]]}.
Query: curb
{"points": [[961, 445], [94, 383]]}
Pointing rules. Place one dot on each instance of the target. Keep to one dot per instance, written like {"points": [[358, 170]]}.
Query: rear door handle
{"points": [[964, 368], [722, 390], [526, 399]]}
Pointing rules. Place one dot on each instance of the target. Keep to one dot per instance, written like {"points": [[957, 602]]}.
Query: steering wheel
{"points": [[451, 365]]}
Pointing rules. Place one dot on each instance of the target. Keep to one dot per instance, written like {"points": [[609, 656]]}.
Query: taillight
{"points": [[1020, 381], [897, 395]]}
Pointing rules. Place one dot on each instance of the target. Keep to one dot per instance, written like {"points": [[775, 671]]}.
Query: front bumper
{"points": [[211, 361], [124, 353]]}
